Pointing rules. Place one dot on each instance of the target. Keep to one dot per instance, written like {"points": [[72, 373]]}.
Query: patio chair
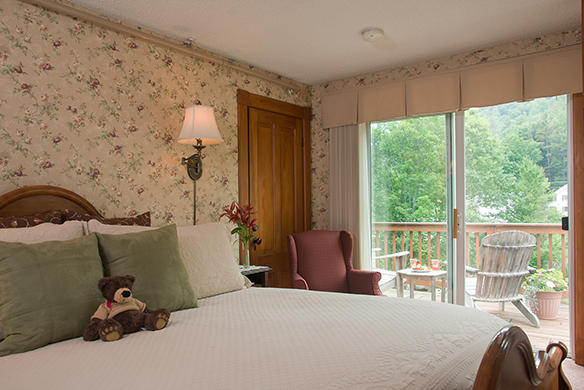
{"points": [[322, 260], [388, 276], [504, 261]]}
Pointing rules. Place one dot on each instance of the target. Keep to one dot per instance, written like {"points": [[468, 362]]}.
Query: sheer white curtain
{"points": [[349, 195]]}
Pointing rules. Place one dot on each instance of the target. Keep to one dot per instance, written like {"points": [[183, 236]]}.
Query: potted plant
{"points": [[543, 292]]}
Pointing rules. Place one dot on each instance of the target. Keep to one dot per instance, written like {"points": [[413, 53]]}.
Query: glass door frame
{"points": [[455, 217]]}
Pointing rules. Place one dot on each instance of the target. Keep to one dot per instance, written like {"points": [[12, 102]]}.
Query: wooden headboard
{"points": [[41, 199]]}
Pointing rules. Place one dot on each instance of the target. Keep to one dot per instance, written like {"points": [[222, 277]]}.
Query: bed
{"points": [[232, 336]]}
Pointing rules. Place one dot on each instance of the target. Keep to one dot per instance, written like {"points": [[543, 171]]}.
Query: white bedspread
{"points": [[275, 339]]}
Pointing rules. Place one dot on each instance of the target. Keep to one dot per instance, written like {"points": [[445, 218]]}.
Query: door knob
{"points": [[257, 240]]}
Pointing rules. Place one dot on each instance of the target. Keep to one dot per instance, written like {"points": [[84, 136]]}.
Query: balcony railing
{"points": [[427, 241]]}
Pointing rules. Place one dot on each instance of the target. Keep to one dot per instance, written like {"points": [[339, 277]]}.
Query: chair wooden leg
{"points": [[527, 312], [468, 301], [502, 306]]}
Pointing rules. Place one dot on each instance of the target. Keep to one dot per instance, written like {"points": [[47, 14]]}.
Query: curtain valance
{"points": [[551, 73]]}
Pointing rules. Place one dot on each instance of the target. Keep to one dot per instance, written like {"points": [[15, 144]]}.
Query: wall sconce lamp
{"points": [[199, 129]]}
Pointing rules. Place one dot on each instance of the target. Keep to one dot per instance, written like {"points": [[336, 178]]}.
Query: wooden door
{"points": [[274, 176]]}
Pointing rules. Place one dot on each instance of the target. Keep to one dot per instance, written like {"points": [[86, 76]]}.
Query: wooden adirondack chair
{"points": [[503, 261]]}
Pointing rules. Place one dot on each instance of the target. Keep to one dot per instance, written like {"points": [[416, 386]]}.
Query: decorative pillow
{"points": [[138, 220], [41, 233], [154, 259], [207, 253], [48, 291], [208, 256], [31, 220]]}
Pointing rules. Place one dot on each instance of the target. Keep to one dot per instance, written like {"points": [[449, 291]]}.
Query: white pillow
{"points": [[41, 233], [206, 251]]}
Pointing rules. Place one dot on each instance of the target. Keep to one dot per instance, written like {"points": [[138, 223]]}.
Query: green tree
{"points": [[408, 174]]}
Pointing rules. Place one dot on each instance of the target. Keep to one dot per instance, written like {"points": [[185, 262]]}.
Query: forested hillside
{"points": [[516, 157]]}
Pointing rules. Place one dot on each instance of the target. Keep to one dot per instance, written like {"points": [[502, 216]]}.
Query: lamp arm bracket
{"points": [[194, 166]]}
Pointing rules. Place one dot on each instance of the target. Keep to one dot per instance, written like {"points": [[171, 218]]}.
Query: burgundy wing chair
{"points": [[321, 260]]}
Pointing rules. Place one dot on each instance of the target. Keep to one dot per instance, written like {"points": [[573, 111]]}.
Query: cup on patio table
{"points": [[414, 263], [436, 265]]}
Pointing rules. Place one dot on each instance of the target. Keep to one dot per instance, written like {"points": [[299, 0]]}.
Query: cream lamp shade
{"points": [[199, 124]]}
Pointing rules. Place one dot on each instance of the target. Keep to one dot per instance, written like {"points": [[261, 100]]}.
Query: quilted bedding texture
{"points": [[275, 339]]}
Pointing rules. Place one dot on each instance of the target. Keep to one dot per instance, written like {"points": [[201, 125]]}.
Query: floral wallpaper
{"points": [[320, 137], [98, 113]]}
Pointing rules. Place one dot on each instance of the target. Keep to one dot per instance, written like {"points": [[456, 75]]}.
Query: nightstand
{"points": [[258, 274]]}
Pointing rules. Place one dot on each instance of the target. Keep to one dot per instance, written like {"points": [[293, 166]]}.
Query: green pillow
{"points": [[48, 291], [153, 257]]}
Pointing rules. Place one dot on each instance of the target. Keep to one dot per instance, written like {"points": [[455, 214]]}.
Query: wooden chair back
{"points": [[503, 261]]}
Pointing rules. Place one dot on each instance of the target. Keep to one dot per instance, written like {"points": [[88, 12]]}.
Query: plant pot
{"points": [[548, 304]]}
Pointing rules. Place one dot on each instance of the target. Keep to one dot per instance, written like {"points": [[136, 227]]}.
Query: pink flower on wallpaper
{"points": [[18, 173], [94, 174], [57, 43], [56, 140], [18, 69], [43, 163]]}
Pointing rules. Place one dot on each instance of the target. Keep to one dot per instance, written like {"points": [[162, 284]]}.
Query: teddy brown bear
{"points": [[121, 314]]}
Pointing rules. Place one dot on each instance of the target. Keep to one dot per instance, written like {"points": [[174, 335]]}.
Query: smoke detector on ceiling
{"points": [[372, 34]]}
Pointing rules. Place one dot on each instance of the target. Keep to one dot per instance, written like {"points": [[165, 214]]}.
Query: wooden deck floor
{"points": [[550, 330]]}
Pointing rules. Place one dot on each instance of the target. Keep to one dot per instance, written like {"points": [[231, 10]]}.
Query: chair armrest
{"points": [[399, 259], [531, 269], [299, 282], [364, 282], [471, 270]]}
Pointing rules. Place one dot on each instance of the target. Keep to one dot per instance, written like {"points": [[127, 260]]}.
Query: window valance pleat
{"points": [[339, 109], [557, 73], [491, 85], [433, 94], [382, 102], [552, 73]]}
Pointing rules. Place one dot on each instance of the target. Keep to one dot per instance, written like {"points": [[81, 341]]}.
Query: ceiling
{"points": [[320, 40]]}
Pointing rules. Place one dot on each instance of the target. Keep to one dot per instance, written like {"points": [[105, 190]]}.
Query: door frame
{"points": [[245, 101]]}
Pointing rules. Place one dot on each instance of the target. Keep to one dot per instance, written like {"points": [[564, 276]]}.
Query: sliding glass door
{"points": [[409, 195], [440, 184]]}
